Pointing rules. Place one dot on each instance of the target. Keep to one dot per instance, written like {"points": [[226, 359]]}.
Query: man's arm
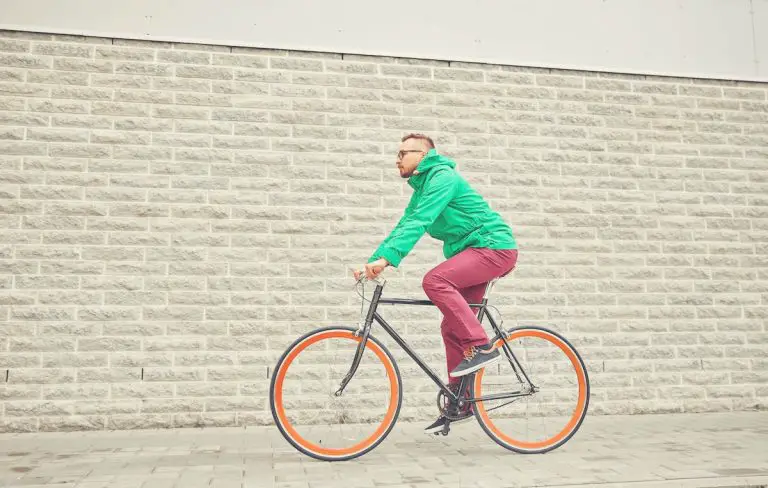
{"points": [[438, 192], [396, 231]]}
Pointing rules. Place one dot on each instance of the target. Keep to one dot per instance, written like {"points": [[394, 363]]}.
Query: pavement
{"points": [[675, 450]]}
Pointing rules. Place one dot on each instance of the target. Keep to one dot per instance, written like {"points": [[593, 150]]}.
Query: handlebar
{"points": [[379, 279]]}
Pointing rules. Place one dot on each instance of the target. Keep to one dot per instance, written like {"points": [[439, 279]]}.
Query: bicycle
{"points": [[356, 429]]}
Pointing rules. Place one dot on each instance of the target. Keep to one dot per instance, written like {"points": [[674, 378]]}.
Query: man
{"points": [[477, 243]]}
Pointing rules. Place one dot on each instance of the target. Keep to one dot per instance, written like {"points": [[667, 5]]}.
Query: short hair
{"points": [[423, 137]]}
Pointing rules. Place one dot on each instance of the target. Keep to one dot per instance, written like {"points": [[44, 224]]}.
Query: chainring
{"points": [[446, 406]]}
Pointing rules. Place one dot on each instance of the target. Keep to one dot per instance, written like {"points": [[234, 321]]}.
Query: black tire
{"points": [[275, 408]]}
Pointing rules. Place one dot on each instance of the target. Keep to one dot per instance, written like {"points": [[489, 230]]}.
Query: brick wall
{"points": [[172, 216]]}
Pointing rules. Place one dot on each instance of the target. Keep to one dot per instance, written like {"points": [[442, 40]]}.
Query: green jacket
{"points": [[448, 209]]}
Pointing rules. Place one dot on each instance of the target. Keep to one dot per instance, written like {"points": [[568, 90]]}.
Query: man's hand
{"points": [[373, 269]]}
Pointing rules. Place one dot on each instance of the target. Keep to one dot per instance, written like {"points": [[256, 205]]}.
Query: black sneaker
{"points": [[476, 357], [438, 424]]}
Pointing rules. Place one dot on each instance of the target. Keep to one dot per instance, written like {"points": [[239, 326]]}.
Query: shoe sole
{"points": [[475, 368], [453, 422]]}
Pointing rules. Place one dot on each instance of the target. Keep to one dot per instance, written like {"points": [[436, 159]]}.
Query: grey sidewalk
{"points": [[693, 450]]}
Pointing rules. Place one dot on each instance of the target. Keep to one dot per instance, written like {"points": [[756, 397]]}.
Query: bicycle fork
{"points": [[355, 362], [364, 330]]}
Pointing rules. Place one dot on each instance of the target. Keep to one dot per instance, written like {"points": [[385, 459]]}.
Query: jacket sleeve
{"points": [[437, 193], [396, 231]]}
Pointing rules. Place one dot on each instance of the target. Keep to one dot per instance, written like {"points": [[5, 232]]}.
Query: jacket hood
{"points": [[431, 160]]}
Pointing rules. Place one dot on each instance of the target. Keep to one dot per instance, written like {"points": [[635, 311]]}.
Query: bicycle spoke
{"points": [[310, 413], [550, 413]]}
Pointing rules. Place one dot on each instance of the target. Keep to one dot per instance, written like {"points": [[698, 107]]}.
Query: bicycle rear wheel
{"points": [[309, 414], [540, 421]]}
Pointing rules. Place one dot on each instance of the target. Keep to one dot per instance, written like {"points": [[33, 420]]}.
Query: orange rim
{"points": [[365, 443], [577, 414]]}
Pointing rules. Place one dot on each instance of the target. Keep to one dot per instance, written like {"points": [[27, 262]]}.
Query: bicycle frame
{"points": [[482, 312]]}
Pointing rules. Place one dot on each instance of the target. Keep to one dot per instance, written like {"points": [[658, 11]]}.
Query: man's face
{"points": [[411, 153]]}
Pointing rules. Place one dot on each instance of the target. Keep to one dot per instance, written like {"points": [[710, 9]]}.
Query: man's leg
{"points": [[472, 268], [454, 348], [454, 353]]}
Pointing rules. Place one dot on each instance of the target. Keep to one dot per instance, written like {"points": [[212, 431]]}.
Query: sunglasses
{"points": [[400, 154]]}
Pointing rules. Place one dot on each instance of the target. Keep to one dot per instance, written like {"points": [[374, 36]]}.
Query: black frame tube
{"points": [[482, 312], [413, 354], [409, 301]]}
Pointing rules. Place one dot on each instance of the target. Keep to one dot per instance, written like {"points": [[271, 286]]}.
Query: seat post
{"points": [[489, 288]]}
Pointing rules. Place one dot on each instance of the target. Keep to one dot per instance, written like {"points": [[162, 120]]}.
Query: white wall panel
{"points": [[760, 21], [703, 38]]}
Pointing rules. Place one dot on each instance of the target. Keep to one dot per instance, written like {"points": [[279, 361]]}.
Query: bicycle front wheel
{"points": [[312, 417], [541, 420]]}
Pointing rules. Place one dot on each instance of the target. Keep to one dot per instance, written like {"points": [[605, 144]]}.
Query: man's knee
{"points": [[431, 281]]}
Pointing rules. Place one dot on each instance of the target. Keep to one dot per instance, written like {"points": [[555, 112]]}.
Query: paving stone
{"points": [[709, 450]]}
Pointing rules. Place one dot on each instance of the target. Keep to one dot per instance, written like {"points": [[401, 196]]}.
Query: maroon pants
{"points": [[456, 283]]}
